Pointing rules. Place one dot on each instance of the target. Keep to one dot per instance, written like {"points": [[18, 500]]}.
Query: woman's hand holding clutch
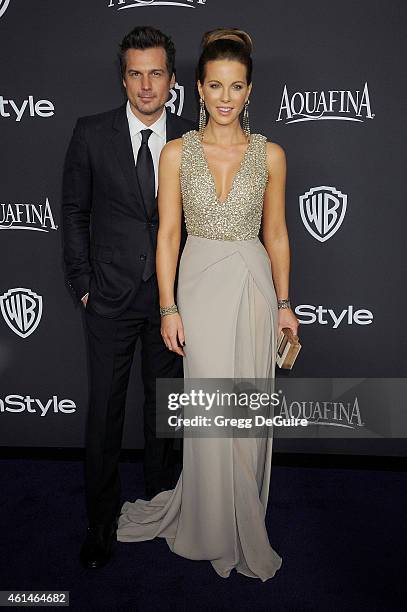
{"points": [[288, 345], [286, 318]]}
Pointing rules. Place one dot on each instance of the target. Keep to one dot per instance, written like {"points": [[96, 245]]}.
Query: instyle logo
{"points": [[338, 414], [3, 6], [339, 104], [22, 310], [26, 108], [176, 103], [33, 217], [308, 314], [127, 4], [21, 403], [322, 211]]}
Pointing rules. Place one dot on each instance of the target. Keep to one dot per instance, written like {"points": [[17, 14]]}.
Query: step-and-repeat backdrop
{"points": [[328, 86]]}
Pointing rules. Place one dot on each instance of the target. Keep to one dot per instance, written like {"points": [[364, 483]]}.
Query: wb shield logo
{"points": [[176, 103], [3, 6], [322, 211], [22, 310]]}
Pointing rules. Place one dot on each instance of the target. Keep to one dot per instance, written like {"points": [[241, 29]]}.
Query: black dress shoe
{"points": [[96, 550]]}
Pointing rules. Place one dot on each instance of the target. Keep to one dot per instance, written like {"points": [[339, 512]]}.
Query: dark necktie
{"points": [[145, 173], [146, 179]]}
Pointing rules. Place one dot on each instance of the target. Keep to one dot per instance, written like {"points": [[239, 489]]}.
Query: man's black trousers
{"points": [[111, 345]]}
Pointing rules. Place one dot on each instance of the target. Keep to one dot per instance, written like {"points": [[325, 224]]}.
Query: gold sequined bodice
{"points": [[239, 216]]}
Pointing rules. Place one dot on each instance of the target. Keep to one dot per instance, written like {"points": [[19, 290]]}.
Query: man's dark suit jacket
{"points": [[108, 235]]}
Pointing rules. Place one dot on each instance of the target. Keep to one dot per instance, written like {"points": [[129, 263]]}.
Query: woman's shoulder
{"points": [[170, 156], [174, 147], [171, 151], [275, 152], [273, 147]]}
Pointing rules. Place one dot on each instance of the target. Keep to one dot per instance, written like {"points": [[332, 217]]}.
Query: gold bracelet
{"points": [[167, 310], [283, 304]]}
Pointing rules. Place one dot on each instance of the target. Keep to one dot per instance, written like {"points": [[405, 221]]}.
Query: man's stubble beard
{"points": [[148, 113]]}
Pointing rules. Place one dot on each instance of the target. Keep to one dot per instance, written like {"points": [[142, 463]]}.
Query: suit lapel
{"points": [[122, 145], [121, 142]]}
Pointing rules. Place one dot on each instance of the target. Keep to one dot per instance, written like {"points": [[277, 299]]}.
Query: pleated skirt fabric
{"points": [[227, 302]]}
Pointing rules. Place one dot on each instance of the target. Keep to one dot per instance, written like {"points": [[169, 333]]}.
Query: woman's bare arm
{"points": [[169, 229], [275, 234], [168, 239]]}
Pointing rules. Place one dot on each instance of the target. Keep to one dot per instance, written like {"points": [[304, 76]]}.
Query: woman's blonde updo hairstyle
{"points": [[226, 43]]}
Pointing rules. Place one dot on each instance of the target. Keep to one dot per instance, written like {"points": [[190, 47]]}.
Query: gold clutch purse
{"points": [[288, 347]]}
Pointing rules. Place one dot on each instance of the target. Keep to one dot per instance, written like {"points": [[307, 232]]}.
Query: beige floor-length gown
{"points": [[227, 302]]}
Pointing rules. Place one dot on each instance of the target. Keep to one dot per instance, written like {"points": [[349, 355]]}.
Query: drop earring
{"points": [[246, 122], [202, 117]]}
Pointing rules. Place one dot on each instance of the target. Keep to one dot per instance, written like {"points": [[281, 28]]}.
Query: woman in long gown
{"points": [[232, 301]]}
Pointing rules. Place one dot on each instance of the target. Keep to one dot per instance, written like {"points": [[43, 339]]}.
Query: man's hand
{"points": [[84, 300]]}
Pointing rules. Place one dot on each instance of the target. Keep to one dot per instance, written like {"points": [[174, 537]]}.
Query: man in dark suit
{"points": [[110, 229]]}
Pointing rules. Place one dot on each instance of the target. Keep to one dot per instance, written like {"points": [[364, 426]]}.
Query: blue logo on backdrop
{"points": [[176, 103], [21, 309], [338, 104], [25, 403], [126, 4], [3, 6], [309, 314], [33, 217], [27, 108], [322, 211]]}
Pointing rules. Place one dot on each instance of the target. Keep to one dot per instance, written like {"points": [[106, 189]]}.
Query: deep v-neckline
{"points": [[237, 173]]}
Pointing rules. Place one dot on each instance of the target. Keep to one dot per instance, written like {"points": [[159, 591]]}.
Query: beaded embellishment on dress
{"points": [[239, 216]]}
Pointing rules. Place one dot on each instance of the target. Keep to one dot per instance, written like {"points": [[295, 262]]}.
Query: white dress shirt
{"points": [[156, 141]]}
